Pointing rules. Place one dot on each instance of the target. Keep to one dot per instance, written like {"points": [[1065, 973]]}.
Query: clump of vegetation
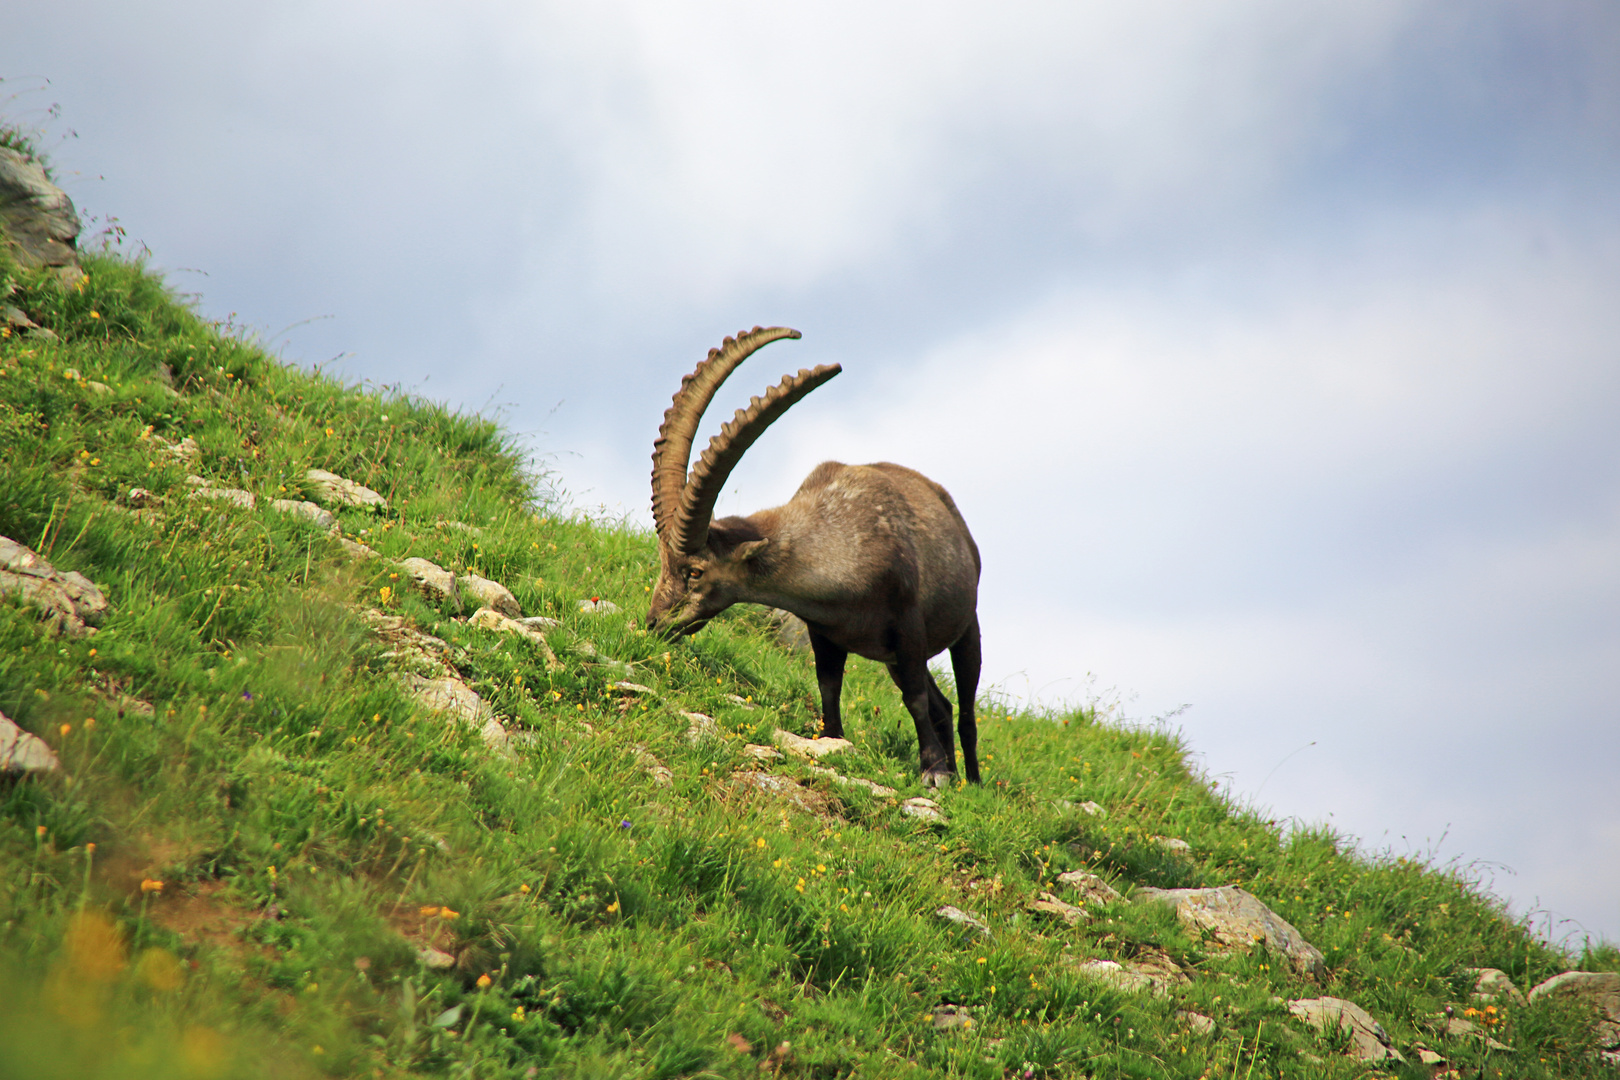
{"points": [[264, 855]]}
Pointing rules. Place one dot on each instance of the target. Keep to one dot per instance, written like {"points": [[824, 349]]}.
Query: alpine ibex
{"points": [[875, 559]]}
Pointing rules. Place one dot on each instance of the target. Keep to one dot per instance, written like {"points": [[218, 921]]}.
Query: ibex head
{"points": [[704, 564]]}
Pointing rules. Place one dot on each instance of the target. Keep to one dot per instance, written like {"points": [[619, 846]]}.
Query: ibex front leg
{"points": [[830, 678]]}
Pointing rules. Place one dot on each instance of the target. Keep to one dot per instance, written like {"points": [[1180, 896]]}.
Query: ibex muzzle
{"points": [[875, 559]]}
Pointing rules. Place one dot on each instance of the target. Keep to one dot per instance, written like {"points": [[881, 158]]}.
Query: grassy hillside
{"points": [[263, 856]]}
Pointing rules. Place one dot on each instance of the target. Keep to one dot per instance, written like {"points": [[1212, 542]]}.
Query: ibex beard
{"points": [[875, 559]]}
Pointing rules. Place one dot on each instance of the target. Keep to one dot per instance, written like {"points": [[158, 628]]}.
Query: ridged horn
{"points": [[691, 523], [673, 447]]}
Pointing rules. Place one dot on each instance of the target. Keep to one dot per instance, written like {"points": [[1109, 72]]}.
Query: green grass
{"points": [[314, 828]]}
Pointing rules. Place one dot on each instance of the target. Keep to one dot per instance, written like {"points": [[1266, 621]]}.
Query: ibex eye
{"points": [[693, 574]]}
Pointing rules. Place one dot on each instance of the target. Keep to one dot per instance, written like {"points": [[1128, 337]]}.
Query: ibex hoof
{"points": [[936, 779]]}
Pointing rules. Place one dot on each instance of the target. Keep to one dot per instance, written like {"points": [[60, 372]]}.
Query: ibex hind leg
{"points": [[939, 715], [965, 663], [917, 690]]}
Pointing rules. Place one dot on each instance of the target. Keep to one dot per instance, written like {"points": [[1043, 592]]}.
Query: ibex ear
{"points": [[746, 551]]}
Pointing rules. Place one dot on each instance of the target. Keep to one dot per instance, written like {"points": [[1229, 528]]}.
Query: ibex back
{"points": [[875, 559]]}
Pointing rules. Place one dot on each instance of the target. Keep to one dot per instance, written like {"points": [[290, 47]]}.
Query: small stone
{"points": [[947, 1017], [435, 580], [1089, 886], [490, 619], [810, 748], [1172, 845], [357, 549], [434, 960], [539, 622], [1048, 904], [15, 317], [330, 488], [139, 498], [1368, 1040], [21, 752], [597, 606], [100, 389], [491, 594], [853, 781], [459, 526], [740, 701], [306, 509], [1493, 984], [962, 919], [1429, 1057], [653, 767], [701, 726], [71, 602], [451, 695], [791, 632], [633, 688], [756, 751], [186, 450], [1238, 919], [234, 496], [1113, 973], [1200, 1023], [199, 482], [923, 809]]}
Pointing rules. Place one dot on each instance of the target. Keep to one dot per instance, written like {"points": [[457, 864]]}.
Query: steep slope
{"points": [[317, 810]]}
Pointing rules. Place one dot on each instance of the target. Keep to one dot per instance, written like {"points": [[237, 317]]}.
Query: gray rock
{"points": [[837, 777], [963, 919], [15, 316], [1491, 985], [435, 580], [140, 498], [758, 752], [1047, 904], [36, 216], [1368, 1040], [791, 632], [21, 752], [1089, 886], [70, 601], [923, 809], [809, 748], [234, 496], [1091, 808], [306, 509], [947, 1017], [434, 960], [491, 594], [628, 687], [356, 548], [1171, 844], [455, 698], [490, 619], [1600, 990], [700, 726], [330, 488], [597, 606], [186, 451], [539, 622], [1237, 919], [1115, 974], [657, 770], [1200, 1023]]}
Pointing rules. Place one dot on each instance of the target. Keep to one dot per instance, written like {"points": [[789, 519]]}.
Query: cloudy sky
{"points": [[1270, 348]]}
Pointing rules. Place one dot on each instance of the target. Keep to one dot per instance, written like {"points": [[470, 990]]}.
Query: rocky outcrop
{"points": [[1091, 888], [1047, 904], [1597, 990], [71, 602], [21, 752], [492, 594], [1151, 971], [963, 919], [37, 217], [1493, 985], [455, 698], [1368, 1040], [333, 490], [305, 509], [809, 748], [433, 579], [922, 809], [1237, 919], [490, 619]]}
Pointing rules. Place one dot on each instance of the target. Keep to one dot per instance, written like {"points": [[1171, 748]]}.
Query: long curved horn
{"points": [[673, 447], [691, 523]]}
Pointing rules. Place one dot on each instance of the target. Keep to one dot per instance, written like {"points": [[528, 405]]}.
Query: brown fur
{"points": [[877, 561]]}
